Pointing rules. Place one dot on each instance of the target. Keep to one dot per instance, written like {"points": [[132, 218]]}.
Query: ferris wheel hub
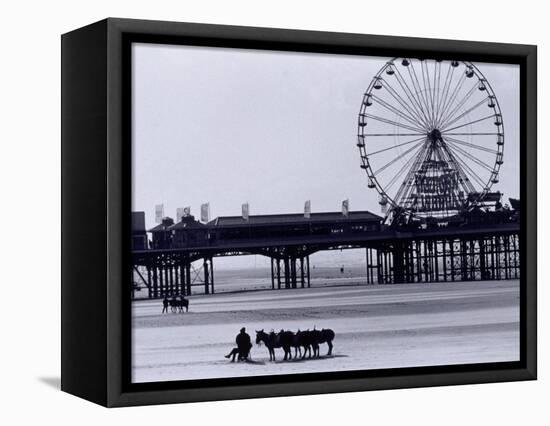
{"points": [[435, 136]]}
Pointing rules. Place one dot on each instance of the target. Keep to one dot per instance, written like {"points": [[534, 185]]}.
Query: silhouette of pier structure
{"points": [[478, 246]]}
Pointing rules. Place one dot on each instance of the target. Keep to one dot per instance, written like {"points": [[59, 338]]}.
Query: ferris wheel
{"points": [[430, 136]]}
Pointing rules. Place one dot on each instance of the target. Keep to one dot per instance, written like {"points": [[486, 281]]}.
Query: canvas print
{"points": [[298, 212]]}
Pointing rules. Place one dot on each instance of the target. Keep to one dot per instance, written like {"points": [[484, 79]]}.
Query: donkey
{"points": [[285, 340], [306, 340], [297, 345], [326, 335], [268, 340], [273, 340], [179, 304]]}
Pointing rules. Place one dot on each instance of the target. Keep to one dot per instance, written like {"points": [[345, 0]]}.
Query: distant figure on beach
{"points": [[177, 303], [244, 344]]}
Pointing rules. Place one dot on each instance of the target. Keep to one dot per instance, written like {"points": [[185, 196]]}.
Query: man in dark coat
{"points": [[244, 344], [165, 304]]}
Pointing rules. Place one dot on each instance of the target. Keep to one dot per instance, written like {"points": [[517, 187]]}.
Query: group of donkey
{"points": [[176, 304], [306, 340]]}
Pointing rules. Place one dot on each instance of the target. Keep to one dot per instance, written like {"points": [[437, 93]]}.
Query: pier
{"points": [[479, 247]]}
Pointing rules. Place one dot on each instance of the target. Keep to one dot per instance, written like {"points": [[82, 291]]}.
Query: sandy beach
{"points": [[376, 327]]}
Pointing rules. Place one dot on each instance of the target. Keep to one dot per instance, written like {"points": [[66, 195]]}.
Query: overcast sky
{"points": [[227, 126]]}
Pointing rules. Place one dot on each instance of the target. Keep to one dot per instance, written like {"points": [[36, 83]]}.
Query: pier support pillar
{"points": [[206, 276], [464, 260], [212, 291], [482, 260], [368, 264], [398, 264], [293, 272], [452, 255], [302, 275], [161, 281], [436, 260], [183, 287], [166, 283], [444, 262], [278, 274], [155, 282], [188, 278], [149, 280], [272, 274], [171, 278], [287, 272], [308, 274], [418, 260]]}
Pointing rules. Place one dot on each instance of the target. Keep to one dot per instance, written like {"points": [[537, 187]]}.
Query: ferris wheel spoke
{"points": [[426, 91], [446, 87], [413, 101], [451, 114], [443, 131], [393, 134], [474, 159], [394, 160], [471, 145], [463, 180], [392, 122], [423, 154], [468, 176], [416, 95], [404, 103], [429, 96], [437, 76], [396, 146], [452, 120], [477, 161], [461, 168], [450, 98], [449, 157], [459, 105], [465, 165], [437, 85], [405, 189], [396, 111], [418, 88], [473, 134], [396, 177], [450, 94]]}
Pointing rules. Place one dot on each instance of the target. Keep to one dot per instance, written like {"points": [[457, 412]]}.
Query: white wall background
{"points": [[30, 188]]}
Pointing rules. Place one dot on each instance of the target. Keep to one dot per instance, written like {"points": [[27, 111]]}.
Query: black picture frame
{"points": [[96, 212]]}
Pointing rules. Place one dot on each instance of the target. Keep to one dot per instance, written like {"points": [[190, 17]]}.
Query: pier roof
{"points": [[188, 224], [166, 223], [295, 218]]}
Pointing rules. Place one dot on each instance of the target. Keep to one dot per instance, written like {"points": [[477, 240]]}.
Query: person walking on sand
{"points": [[165, 304], [244, 344]]}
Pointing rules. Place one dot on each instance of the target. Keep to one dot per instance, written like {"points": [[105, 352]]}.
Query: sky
{"points": [[274, 129]]}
